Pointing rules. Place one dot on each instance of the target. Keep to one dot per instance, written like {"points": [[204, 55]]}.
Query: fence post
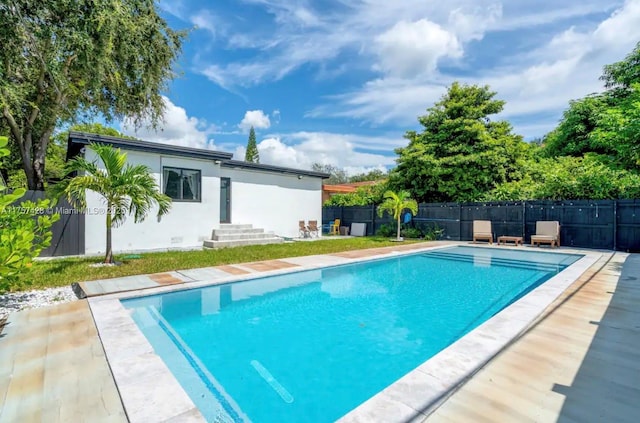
{"points": [[373, 219], [524, 220], [615, 225], [459, 221]]}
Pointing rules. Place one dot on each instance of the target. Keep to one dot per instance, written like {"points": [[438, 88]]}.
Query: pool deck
{"points": [[581, 358], [53, 368], [580, 362]]}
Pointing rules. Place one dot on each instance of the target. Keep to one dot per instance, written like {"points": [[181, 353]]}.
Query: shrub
{"points": [[409, 232], [388, 229], [22, 235]]}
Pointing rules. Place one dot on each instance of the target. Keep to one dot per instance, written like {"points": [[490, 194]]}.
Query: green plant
{"points": [[22, 236], [432, 232], [126, 189], [386, 230], [411, 233], [395, 204]]}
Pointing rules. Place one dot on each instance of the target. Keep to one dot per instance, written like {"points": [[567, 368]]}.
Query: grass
{"points": [[62, 272]]}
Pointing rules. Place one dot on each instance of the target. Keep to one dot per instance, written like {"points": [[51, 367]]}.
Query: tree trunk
{"points": [[33, 156], [39, 155], [398, 237], [109, 254]]}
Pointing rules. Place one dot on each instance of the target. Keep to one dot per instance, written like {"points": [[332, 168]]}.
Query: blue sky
{"points": [[340, 81]]}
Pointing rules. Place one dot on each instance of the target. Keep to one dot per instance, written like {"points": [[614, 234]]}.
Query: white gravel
{"points": [[16, 301]]}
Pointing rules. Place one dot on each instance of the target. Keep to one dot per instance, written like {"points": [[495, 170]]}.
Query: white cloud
{"points": [[302, 149], [541, 82], [412, 48], [275, 115], [301, 33], [256, 118], [177, 128]]}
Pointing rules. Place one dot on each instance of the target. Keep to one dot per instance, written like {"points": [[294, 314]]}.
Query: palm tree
{"points": [[395, 204], [126, 189]]}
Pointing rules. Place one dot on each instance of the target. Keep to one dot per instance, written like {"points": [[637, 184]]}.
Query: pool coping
{"points": [[150, 392]]}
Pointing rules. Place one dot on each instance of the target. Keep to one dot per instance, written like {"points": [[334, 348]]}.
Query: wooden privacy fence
{"points": [[67, 233], [601, 224]]}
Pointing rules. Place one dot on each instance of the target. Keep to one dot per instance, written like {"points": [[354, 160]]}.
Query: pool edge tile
{"points": [[133, 361]]}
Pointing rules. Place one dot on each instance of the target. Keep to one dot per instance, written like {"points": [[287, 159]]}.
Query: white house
{"points": [[210, 191]]}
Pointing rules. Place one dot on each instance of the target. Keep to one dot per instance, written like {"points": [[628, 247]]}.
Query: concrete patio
{"points": [[579, 362]]}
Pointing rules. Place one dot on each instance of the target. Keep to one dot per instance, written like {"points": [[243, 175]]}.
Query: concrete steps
{"points": [[235, 235]]}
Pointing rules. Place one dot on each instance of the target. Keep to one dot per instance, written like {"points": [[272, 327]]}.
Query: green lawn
{"points": [[52, 273]]}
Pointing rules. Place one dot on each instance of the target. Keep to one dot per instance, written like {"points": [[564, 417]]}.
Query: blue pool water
{"points": [[313, 345]]}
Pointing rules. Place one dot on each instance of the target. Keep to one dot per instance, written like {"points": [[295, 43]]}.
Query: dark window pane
{"points": [[172, 183], [181, 184], [191, 185]]}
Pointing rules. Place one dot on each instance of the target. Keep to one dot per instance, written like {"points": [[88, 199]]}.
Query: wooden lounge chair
{"points": [[548, 232], [302, 229], [482, 231], [313, 228]]}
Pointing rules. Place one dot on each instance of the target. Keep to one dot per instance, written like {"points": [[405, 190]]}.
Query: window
{"points": [[181, 184]]}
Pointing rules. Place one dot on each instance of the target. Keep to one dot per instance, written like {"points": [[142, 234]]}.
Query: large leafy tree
{"points": [[67, 59], [619, 127], [126, 189], [604, 124], [573, 135], [395, 203], [461, 153], [252, 154], [568, 177]]}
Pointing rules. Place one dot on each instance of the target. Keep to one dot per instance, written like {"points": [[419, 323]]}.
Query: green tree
{"points": [[619, 128], [126, 189], [461, 154], [365, 195], [64, 60], [570, 178], [373, 175], [395, 204], [605, 124], [25, 231], [620, 76], [336, 175], [572, 136], [252, 154]]}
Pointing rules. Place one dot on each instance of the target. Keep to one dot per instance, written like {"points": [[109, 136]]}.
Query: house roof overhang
{"points": [[77, 140]]}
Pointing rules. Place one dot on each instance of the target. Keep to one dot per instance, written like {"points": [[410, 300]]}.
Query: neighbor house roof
{"points": [[343, 188], [276, 169], [77, 140]]}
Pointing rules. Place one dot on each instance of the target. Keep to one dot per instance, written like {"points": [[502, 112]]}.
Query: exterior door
{"points": [[225, 200]]}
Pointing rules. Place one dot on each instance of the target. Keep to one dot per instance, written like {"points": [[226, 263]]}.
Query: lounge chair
{"points": [[302, 228], [335, 229], [482, 230], [313, 228], [548, 232]]}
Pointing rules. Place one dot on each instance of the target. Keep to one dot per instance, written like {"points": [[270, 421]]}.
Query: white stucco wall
{"points": [[273, 201], [187, 225]]}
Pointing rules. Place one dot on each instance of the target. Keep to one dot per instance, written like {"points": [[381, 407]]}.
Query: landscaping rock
{"points": [[16, 301]]}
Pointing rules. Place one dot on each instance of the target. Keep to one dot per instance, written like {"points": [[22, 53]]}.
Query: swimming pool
{"points": [[312, 345]]}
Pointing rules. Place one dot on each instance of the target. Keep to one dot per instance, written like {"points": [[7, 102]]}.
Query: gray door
{"points": [[225, 200]]}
